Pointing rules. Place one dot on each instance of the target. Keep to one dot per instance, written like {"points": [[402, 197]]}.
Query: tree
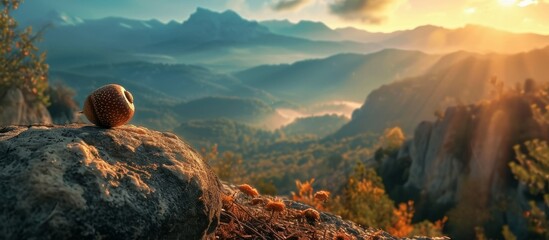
{"points": [[533, 169], [364, 200], [228, 167], [392, 139], [22, 65]]}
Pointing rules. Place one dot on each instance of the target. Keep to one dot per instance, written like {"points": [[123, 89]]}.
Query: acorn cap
{"points": [[109, 106]]}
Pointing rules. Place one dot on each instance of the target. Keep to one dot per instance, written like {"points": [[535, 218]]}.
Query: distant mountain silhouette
{"points": [[319, 31], [475, 38], [347, 77], [206, 37], [303, 29], [206, 25], [459, 78], [428, 38], [213, 39]]}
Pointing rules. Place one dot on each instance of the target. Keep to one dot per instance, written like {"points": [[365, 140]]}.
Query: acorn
{"points": [[109, 106]]}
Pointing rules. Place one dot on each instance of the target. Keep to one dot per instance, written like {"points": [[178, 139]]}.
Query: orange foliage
{"points": [[402, 225], [305, 194]]}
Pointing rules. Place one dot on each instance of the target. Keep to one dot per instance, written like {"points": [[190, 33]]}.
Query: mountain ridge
{"points": [[468, 78]]}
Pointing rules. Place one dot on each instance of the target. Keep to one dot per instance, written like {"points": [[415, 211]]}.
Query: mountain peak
{"points": [[228, 25], [58, 18], [204, 13], [313, 24]]}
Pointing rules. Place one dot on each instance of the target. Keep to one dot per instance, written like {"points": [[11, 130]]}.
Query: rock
{"points": [[84, 182], [15, 108], [461, 160]]}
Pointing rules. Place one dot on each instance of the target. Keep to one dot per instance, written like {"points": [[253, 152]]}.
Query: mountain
{"points": [[205, 25], [205, 38], [476, 38], [303, 29], [348, 77], [245, 110], [359, 35], [427, 38], [75, 43], [459, 78], [184, 82], [214, 39], [319, 31]]}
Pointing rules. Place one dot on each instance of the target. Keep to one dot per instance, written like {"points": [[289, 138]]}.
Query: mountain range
{"points": [[207, 38], [213, 39], [296, 66], [427, 38]]}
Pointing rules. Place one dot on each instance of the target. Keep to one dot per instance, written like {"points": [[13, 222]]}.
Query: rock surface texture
{"points": [[84, 182], [461, 161], [15, 108]]}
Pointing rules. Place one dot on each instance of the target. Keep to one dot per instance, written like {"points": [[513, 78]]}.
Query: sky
{"points": [[370, 15]]}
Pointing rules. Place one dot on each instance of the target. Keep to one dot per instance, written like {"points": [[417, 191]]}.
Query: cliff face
{"points": [[455, 78], [16, 108], [462, 159], [84, 182]]}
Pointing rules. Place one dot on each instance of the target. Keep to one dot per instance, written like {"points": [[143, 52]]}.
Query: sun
{"points": [[507, 3]]}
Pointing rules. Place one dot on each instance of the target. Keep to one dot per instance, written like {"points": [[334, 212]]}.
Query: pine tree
{"points": [[22, 65]]}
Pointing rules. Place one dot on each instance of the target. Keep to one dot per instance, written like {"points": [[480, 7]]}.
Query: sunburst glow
{"points": [[507, 3]]}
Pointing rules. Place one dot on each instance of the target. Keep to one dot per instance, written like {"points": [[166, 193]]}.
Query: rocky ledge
{"points": [[84, 182]]}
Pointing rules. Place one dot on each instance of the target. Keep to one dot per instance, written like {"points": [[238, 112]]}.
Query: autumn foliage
{"points": [[365, 202], [22, 65]]}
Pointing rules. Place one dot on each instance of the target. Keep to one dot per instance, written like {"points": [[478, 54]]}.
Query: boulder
{"points": [[16, 108], [85, 182]]}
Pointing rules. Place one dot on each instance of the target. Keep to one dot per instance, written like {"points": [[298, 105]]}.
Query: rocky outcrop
{"points": [[460, 162], [15, 108], [84, 182]]}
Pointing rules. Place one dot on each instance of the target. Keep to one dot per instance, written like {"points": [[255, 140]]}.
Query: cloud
{"points": [[368, 11], [290, 5]]}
